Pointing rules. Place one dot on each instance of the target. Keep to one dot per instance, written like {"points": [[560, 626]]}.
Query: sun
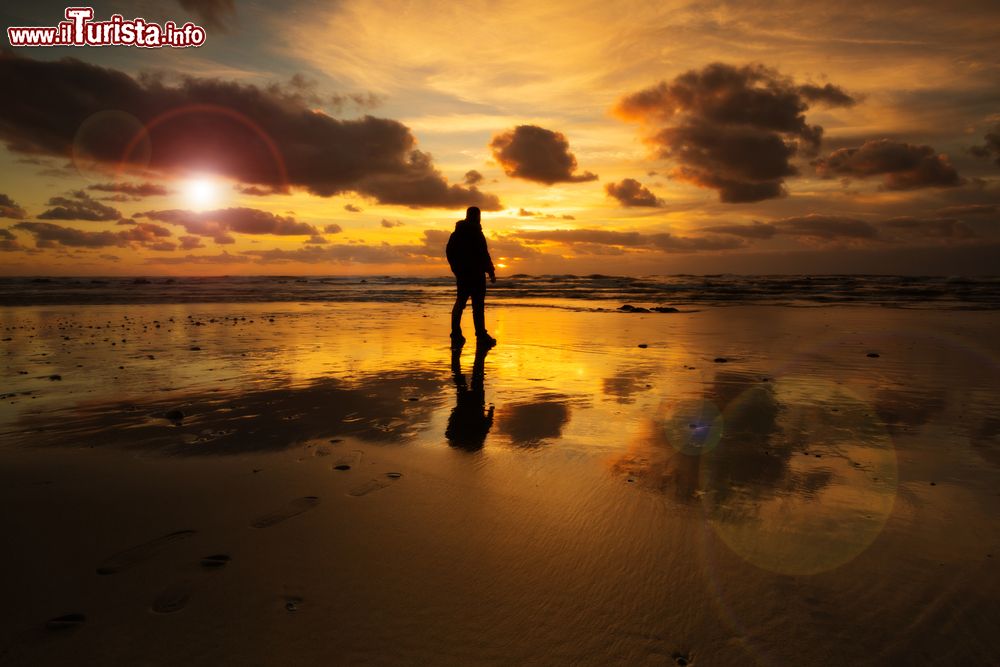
{"points": [[201, 191]]}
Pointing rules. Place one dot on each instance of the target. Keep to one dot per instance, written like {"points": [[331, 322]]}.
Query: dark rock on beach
{"points": [[629, 308]]}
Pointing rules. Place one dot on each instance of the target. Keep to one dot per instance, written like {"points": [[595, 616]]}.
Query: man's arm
{"points": [[449, 252], [489, 261]]}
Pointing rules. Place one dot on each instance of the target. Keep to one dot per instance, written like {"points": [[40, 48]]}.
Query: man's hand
{"points": [[493, 278]]}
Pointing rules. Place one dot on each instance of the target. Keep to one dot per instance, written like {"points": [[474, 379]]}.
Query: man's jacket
{"points": [[467, 252]]}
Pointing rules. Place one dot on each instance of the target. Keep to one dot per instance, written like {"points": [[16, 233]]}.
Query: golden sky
{"points": [[615, 137]]}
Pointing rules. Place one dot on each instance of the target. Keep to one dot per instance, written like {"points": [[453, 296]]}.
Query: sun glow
{"points": [[201, 192]]}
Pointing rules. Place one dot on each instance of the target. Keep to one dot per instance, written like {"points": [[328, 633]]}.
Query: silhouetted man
{"points": [[470, 262]]}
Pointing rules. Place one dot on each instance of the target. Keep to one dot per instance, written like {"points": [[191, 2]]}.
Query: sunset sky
{"points": [[347, 137]]}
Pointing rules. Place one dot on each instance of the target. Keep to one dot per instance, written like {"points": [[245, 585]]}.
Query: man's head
{"points": [[472, 214]]}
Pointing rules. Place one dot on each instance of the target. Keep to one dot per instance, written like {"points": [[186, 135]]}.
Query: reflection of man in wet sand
{"points": [[469, 421], [470, 262]]}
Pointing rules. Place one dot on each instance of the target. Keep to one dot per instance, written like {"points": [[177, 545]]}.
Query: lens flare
{"points": [[815, 492]]}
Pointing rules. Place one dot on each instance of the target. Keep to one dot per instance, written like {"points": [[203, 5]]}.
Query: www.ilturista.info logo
{"points": [[79, 30]]}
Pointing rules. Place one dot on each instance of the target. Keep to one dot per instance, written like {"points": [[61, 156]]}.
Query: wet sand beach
{"points": [[324, 483]]}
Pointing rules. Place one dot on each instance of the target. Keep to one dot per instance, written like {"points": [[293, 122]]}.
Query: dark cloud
{"points": [[315, 240], [333, 228], [664, 241], [144, 233], [132, 189], [968, 210], [430, 251], [10, 209], [389, 224], [991, 148], [829, 94], [929, 228], [732, 129], [363, 101], [257, 191], [220, 258], [49, 235], [339, 253], [79, 206], [352, 208], [417, 184], [473, 177], [220, 223], [269, 137], [8, 242], [903, 166], [757, 230], [537, 154], [838, 228], [670, 243], [525, 213], [190, 242], [826, 227], [631, 192], [602, 236], [214, 14]]}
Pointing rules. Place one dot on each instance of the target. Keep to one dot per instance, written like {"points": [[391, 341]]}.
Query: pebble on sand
{"points": [[874, 355], [55, 377]]}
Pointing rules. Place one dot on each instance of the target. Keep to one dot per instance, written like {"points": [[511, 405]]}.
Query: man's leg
{"points": [[456, 311], [479, 307]]}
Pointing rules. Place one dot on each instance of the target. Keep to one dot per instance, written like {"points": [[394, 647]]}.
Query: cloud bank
{"points": [[268, 136]]}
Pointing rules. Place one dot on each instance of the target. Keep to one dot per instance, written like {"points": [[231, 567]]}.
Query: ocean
{"points": [[590, 292]]}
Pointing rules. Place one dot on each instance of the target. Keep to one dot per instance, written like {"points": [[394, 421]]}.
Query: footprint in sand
{"points": [[374, 484], [683, 659], [175, 597], [293, 508], [215, 561], [172, 598], [349, 461], [67, 622], [123, 560]]}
